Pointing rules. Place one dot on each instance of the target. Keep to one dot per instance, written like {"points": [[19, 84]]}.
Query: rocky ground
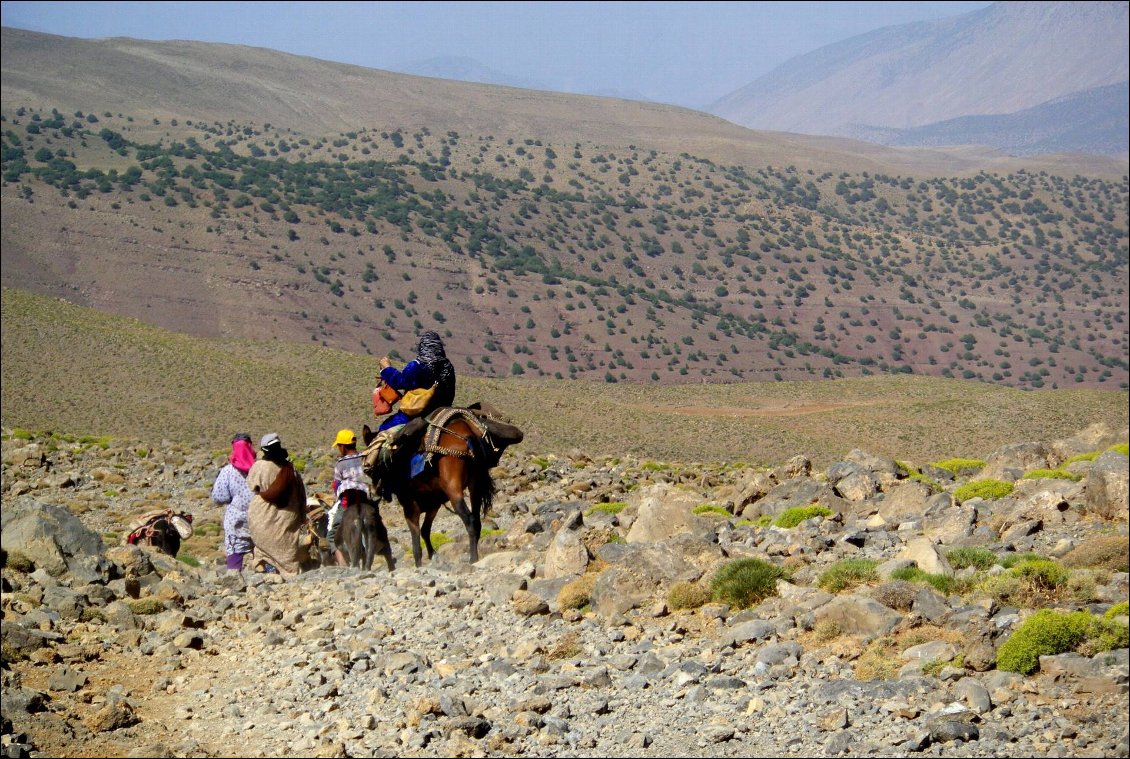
{"points": [[567, 639]]}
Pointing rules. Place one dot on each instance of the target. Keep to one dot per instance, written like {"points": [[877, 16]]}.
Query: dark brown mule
{"points": [[462, 454]]}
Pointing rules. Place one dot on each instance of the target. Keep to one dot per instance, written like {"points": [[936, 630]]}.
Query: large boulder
{"points": [[799, 491], [947, 522], [1010, 461], [567, 554], [885, 469], [1097, 437], [752, 486], [905, 501], [926, 557], [860, 486], [664, 511], [1107, 488], [52, 537], [638, 574], [858, 615]]}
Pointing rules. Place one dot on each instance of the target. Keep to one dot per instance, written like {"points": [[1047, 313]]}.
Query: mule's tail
{"points": [[482, 494]]}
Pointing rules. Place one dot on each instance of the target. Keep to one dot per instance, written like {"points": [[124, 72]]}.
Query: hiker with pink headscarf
{"points": [[231, 490]]}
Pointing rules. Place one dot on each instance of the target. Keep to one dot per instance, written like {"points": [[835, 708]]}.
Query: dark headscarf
{"points": [[429, 350]]}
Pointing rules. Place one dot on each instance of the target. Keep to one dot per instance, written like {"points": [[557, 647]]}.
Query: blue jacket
{"points": [[414, 375]]}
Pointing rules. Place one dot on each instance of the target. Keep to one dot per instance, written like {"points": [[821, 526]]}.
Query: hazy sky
{"points": [[686, 53]]}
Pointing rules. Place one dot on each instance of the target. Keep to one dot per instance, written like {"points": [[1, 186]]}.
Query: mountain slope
{"points": [[219, 84], [999, 60], [1093, 121], [465, 69]]}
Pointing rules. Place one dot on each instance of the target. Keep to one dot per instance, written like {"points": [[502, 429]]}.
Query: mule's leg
{"points": [[412, 517], [380, 539], [429, 517], [471, 524], [369, 538], [453, 489]]}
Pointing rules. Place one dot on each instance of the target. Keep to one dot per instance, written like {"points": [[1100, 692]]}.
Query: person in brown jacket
{"points": [[277, 512]]}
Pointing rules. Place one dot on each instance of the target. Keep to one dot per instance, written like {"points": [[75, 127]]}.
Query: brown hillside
{"points": [[73, 370], [538, 258]]}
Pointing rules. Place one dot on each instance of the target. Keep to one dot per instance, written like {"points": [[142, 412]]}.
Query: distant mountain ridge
{"points": [[1004, 59], [1092, 121], [464, 69]]}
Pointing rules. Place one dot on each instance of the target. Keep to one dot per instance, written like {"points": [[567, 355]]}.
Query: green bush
{"points": [[941, 583], [1120, 609], [912, 473], [745, 582], [1048, 632], [1105, 635], [1012, 559], [959, 467], [986, 489], [1043, 574], [1051, 474], [848, 573], [711, 509], [790, 518], [189, 559], [1081, 457], [687, 595], [978, 558], [439, 539], [1123, 448], [607, 508]]}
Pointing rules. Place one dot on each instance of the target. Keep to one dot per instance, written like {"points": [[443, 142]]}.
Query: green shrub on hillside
{"points": [[1048, 632], [745, 582], [711, 509], [848, 573], [1011, 560], [941, 583], [978, 558], [1033, 581], [1043, 574], [790, 518], [613, 507], [1120, 609], [912, 473], [987, 489], [1081, 457], [958, 467], [1123, 448], [1051, 474]]}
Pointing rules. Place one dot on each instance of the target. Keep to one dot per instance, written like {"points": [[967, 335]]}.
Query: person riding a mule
{"points": [[429, 369], [350, 485]]}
